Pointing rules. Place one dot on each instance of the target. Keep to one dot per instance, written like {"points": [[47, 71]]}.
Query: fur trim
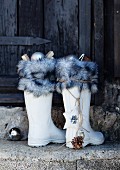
{"points": [[72, 72], [37, 87], [36, 68], [37, 76]]}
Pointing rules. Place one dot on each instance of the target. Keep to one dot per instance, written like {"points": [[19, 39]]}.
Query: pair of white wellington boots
{"points": [[42, 129], [77, 107]]}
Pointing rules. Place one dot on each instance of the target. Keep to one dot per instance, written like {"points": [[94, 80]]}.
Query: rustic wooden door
{"points": [[73, 27], [21, 31]]}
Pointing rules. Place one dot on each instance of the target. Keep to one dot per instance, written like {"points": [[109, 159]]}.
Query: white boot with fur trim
{"points": [[38, 86], [76, 81]]}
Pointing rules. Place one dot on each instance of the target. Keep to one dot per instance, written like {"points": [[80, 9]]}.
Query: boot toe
{"points": [[97, 138], [94, 138]]}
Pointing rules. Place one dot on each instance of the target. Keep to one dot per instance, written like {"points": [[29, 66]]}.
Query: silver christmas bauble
{"points": [[15, 134], [37, 56]]}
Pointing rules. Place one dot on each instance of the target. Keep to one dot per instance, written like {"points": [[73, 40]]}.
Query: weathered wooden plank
{"points": [[85, 27], [8, 27], [4, 40], [116, 38], [11, 98], [61, 26], [31, 23], [31, 18], [8, 82], [109, 39], [99, 46]]}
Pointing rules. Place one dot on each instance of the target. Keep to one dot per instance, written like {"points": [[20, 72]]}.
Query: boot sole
{"points": [[45, 142]]}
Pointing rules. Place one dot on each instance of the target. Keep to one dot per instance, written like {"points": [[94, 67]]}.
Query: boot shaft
{"points": [[38, 108], [85, 98]]}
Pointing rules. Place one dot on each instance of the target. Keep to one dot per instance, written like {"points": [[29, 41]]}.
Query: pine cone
{"points": [[77, 142]]}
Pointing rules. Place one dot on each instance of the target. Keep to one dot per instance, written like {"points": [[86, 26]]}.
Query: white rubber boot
{"points": [[71, 114], [41, 127], [91, 136], [77, 124]]}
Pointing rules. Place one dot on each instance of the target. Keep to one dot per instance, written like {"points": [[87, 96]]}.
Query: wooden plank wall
{"points": [[17, 18], [74, 27]]}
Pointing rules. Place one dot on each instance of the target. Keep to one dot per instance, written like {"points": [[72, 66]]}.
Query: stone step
{"points": [[17, 155]]}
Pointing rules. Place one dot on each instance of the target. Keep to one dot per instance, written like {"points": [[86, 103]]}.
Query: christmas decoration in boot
{"points": [[76, 81], [36, 80]]}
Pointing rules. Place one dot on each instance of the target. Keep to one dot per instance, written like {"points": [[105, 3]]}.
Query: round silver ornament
{"points": [[15, 134], [37, 56]]}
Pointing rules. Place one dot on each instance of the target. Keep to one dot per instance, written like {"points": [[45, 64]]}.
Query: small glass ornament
{"points": [[15, 134]]}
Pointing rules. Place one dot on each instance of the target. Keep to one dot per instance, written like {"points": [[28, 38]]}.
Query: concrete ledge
{"points": [[19, 156]]}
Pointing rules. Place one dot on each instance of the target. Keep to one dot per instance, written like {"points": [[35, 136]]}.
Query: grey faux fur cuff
{"points": [[72, 72], [37, 76]]}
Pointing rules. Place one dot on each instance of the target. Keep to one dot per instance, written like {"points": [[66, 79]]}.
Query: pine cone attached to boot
{"points": [[77, 142]]}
